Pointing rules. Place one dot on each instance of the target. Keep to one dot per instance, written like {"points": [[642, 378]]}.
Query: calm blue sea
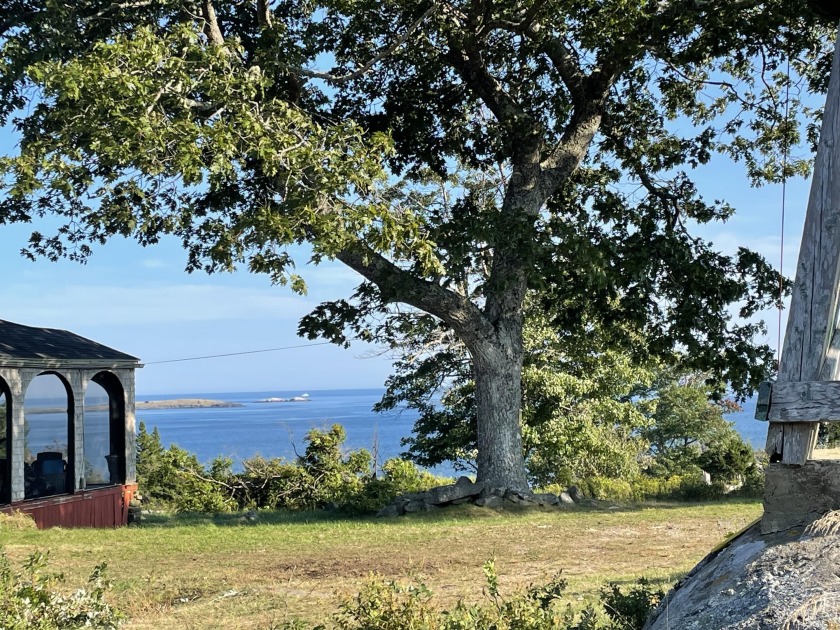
{"points": [[278, 429]]}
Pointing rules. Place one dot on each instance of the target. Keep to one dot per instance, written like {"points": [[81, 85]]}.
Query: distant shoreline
{"points": [[185, 403], [180, 403]]}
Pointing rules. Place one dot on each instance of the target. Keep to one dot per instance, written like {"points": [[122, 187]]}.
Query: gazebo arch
{"points": [[49, 469], [26, 352], [5, 443], [115, 428]]}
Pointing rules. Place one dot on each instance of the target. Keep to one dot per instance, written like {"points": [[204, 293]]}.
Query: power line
{"points": [[235, 354]]}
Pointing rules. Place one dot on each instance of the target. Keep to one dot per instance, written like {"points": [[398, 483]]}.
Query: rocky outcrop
{"points": [[758, 581], [465, 490]]}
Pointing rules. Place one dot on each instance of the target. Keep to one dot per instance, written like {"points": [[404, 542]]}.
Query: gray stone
{"points": [[566, 498], [251, 516], [545, 499], [390, 510], [491, 501], [520, 496], [574, 492], [446, 494], [411, 496], [761, 582], [415, 506], [492, 491], [797, 495], [462, 501]]}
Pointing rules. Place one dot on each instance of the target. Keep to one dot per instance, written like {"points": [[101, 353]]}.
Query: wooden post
{"points": [[811, 349]]}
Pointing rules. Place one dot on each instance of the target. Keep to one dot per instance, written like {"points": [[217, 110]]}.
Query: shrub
{"points": [[388, 605], [32, 601], [391, 606], [640, 488], [323, 476], [273, 484], [174, 478], [632, 608], [728, 460], [398, 477]]}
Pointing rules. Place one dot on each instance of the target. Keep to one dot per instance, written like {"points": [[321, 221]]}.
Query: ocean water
{"points": [[753, 431], [278, 429]]}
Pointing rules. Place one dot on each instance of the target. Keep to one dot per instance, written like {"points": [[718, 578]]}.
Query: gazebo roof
{"points": [[28, 343]]}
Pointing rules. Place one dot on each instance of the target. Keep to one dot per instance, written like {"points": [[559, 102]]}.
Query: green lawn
{"points": [[224, 572]]}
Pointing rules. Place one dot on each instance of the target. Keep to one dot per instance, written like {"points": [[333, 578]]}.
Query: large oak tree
{"points": [[210, 120]]}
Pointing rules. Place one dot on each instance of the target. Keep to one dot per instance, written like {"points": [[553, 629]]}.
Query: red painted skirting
{"points": [[100, 507]]}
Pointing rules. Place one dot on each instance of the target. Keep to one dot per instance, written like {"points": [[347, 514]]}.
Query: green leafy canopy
{"points": [[459, 154]]}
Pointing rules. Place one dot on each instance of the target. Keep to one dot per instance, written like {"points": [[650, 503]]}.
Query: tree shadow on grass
{"points": [[459, 513]]}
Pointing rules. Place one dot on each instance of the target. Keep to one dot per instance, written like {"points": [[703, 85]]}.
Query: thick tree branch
{"points": [[397, 285], [211, 24], [465, 57], [589, 101], [385, 52], [562, 58], [264, 14]]}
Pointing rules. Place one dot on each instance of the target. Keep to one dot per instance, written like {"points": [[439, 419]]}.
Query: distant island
{"points": [[185, 403], [180, 403], [301, 398]]}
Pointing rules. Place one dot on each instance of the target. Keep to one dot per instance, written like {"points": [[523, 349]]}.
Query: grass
{"points": [[826, 453], [224, 572]]}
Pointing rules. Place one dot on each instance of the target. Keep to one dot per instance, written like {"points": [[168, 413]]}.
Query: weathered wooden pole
{"points": [[810, 350], [804, 394]]}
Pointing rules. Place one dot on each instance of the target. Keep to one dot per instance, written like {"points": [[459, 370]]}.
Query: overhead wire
{"points": [[235, 354]]}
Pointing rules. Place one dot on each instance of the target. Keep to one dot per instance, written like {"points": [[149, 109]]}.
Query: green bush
{"points": [[640, 488], [398, 477], [632, 608], [728, 460], [324, 476], [174, 478], [388, 605], [31, 599], [321, 477]]}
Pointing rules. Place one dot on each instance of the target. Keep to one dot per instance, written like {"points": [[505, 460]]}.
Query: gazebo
{"points": [[65, 482]]}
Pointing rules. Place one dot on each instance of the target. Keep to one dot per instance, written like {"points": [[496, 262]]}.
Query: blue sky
{"points": [[140, 300]]}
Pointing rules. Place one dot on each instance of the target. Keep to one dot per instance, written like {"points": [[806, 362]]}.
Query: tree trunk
{"points": [[498, 377]]}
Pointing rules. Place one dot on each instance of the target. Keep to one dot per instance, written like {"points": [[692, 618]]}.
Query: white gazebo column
{"points": [[127, 379], [18, 380], [16, 445], [78, 385]]}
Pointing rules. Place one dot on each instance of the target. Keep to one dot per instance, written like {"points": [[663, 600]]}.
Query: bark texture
{"points": [[498, 391]]}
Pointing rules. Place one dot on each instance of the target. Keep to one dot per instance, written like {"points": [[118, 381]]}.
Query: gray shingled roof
{"points": [[27, 342]]}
